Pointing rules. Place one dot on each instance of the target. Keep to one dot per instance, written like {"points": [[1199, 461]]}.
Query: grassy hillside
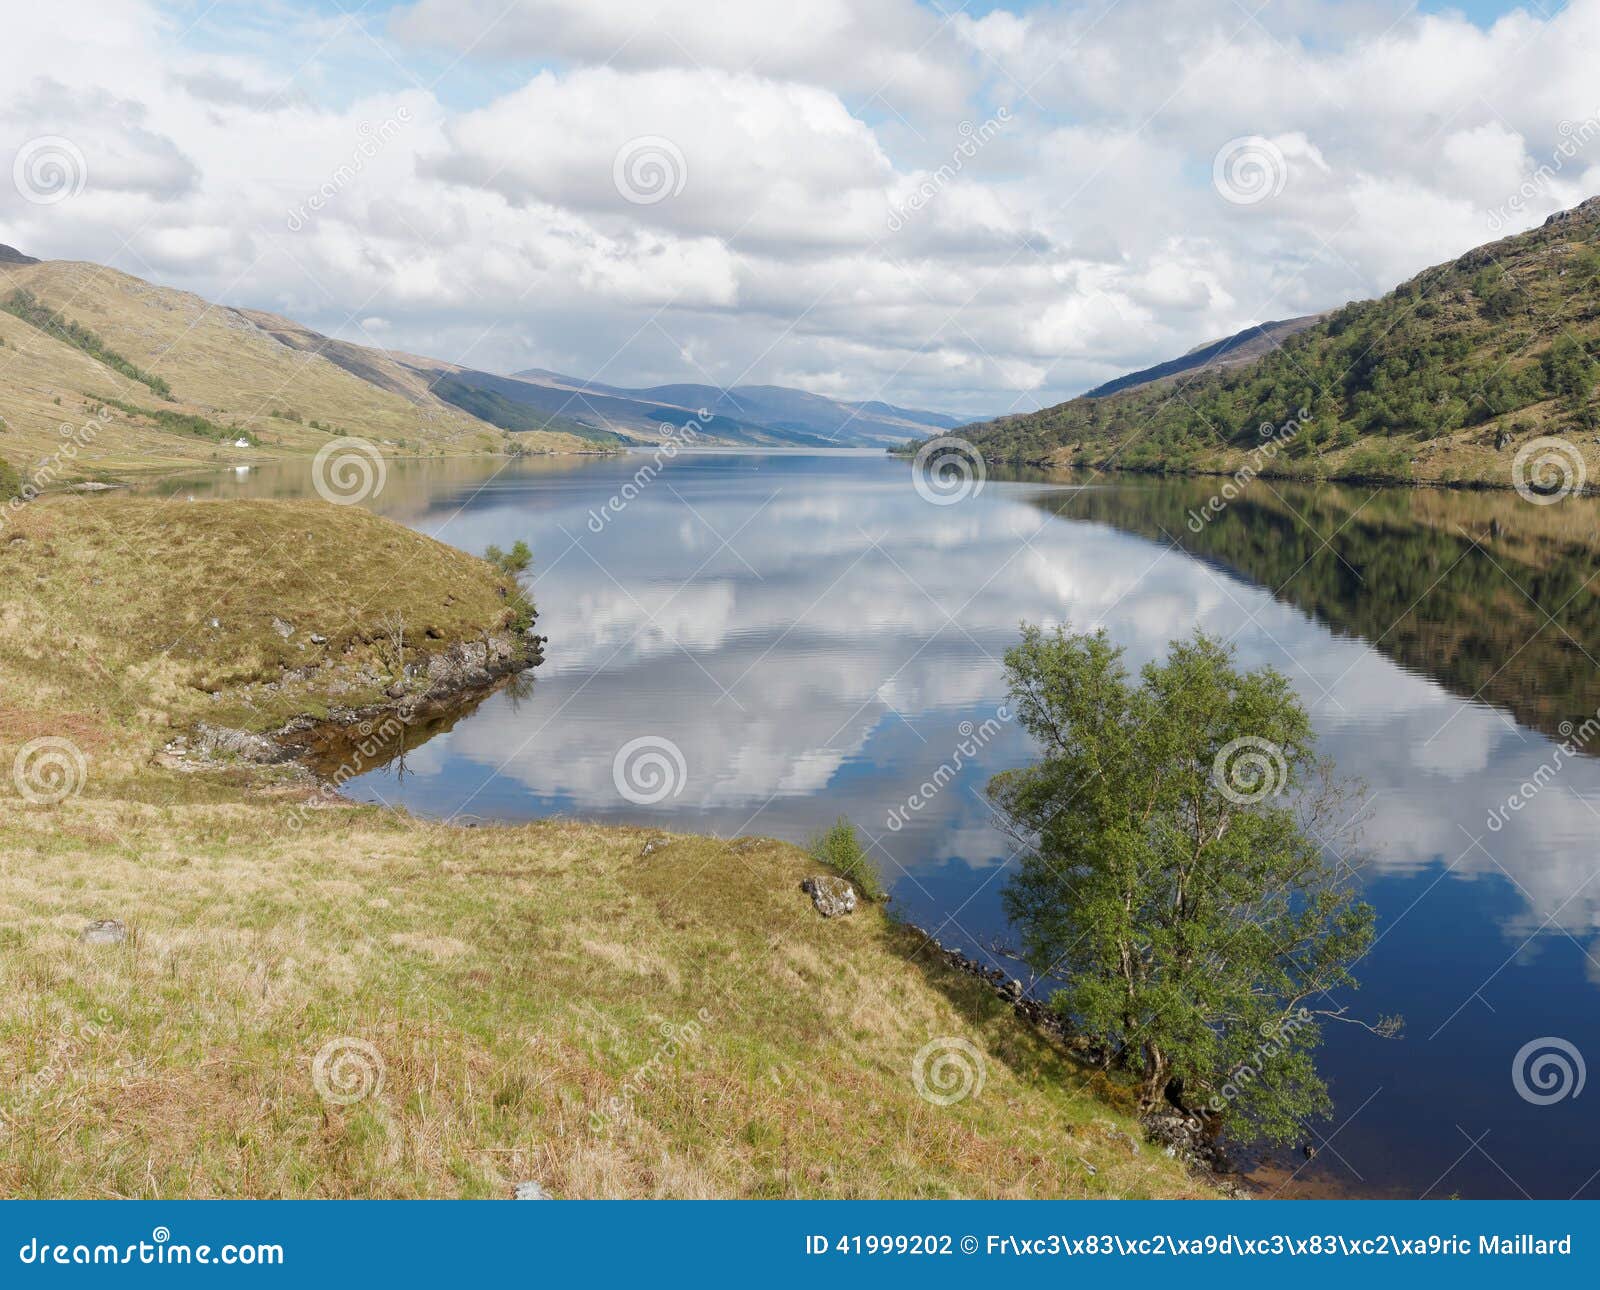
{"points": [[1440, 380], [105, 361], [478, 1006]]}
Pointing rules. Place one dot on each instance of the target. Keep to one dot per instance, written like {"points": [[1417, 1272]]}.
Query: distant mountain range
{"points": [[1445, 379], [772, 415]]}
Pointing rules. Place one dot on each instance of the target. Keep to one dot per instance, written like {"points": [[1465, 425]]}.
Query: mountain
{"points": [[1241, 347], [772, 411], [137, 377], [1443, 380], [141, 377], [515, 403]]}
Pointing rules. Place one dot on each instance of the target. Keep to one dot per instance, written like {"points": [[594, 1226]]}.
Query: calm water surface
{"points": [[817, 639]]}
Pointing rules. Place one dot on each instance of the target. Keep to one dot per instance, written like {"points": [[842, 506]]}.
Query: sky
{"points": [[976, 210]]}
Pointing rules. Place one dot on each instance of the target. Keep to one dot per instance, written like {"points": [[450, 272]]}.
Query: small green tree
{"points": [[513, 565], [1175, 876], [839, 849], [10, 481]]}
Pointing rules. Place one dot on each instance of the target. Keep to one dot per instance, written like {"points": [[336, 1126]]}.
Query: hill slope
{"points": [[1443, 379], [147, 378], [1241, 347]]}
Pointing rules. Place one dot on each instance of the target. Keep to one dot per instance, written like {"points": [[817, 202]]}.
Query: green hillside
{"points": [[1440, 380]]}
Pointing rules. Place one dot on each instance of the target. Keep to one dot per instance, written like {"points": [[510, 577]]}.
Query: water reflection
{"points": [[817, 639]]}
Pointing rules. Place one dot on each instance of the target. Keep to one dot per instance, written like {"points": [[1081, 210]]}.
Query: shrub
{"points": [[513, 564], [839, 849]]}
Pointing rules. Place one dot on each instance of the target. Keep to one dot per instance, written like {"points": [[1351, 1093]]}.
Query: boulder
{"points": [[219, 741], [834, 897], [104, 931]]}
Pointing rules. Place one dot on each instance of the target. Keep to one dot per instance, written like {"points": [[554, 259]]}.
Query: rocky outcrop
{"points": [[429, 688], [833, 897], [217, 743]]}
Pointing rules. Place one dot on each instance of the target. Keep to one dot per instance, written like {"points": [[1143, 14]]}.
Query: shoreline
{"points": [[1173, 472]]}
